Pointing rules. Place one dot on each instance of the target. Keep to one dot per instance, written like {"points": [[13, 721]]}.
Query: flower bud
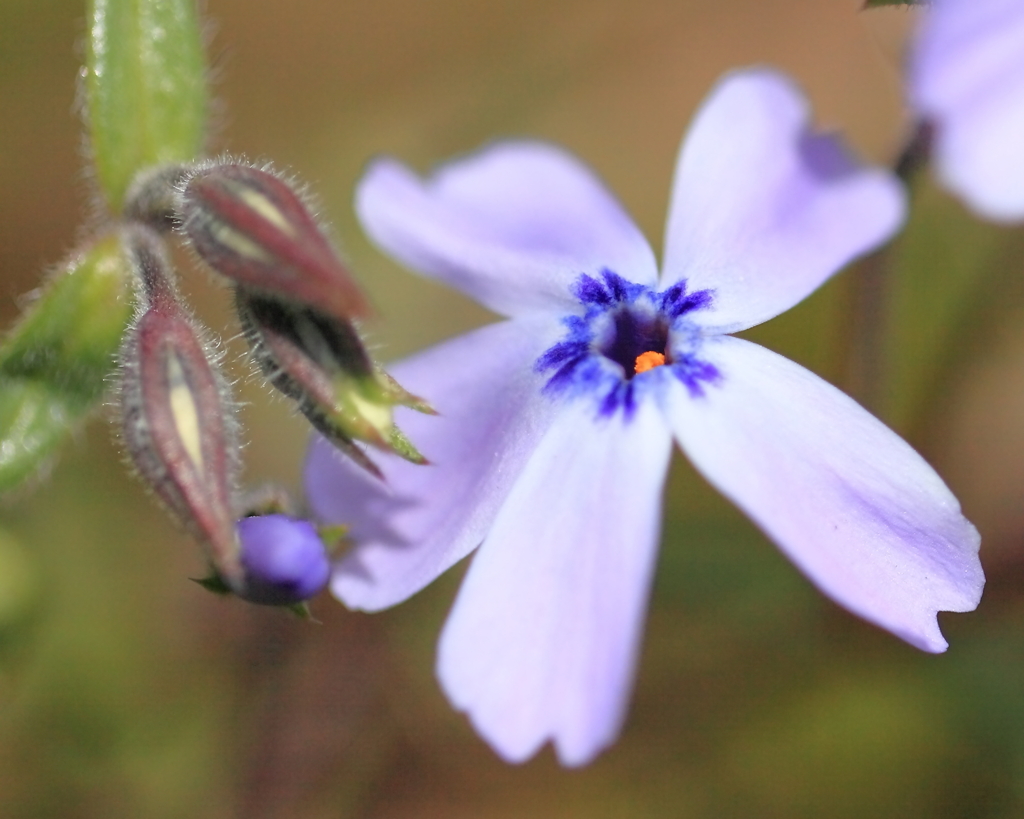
{"points": [[251, 227], [320, 362], [177, 426], [283, 559]]}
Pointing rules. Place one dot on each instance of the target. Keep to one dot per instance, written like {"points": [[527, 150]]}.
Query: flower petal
{"points": [[967, 76], [542, 641], [425, 518], [763, 209], [842, 495], [512, 226]]}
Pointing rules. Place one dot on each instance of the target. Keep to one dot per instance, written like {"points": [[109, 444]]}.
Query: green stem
{"points": [[865, 377]]}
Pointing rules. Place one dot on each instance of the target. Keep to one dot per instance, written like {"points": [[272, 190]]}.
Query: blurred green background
{"points": [[127, 691]]}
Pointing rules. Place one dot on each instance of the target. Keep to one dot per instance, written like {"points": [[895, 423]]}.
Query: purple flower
{"points": [[551, 447], [967, 79]]}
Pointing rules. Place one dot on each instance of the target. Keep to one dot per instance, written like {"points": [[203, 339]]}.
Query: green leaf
{"points": [[54, 363], [870, 4], [33, 422], [145, 88]]}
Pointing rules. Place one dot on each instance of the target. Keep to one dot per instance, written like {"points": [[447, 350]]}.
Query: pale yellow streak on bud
{"points": [[230, 238], [376, 415], [184, 411], [264, 207]]}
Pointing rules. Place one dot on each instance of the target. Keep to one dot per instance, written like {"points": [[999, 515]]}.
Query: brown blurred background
{"points": [[127, 691]]}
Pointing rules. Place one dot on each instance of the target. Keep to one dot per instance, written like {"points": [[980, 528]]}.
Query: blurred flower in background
{"points": [[967, 81]]}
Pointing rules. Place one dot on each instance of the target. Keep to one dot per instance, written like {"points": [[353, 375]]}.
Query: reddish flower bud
{"points": [[320, 362], [177, 426], [251, 227]]}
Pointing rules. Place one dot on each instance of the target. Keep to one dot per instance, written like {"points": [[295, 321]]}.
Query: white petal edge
{"points": [[512, 226], [423, 519], [848, 500], [542, 641], [763, 209]]}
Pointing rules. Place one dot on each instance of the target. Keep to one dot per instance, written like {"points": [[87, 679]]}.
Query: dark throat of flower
{"points": [[637, 343]]}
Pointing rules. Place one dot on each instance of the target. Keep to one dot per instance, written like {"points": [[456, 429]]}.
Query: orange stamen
{"points": [[648, 361]]}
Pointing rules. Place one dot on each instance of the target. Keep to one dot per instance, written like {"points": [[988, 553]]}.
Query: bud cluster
{"points": [[113, 313], [296, 304]]}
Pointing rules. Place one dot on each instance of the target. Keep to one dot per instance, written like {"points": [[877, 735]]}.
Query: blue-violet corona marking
{"points": [[623, 321]]}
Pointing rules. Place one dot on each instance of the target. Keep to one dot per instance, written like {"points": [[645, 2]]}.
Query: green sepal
{"points": [[145, 84], [301, 610], [362, 408], [333, 536], [363, 411], [404, 448], [55, 362], [214, 583], [397, 394]]}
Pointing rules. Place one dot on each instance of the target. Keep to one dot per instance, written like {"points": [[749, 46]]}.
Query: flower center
{"points": [[634, 335], [626, 330]]}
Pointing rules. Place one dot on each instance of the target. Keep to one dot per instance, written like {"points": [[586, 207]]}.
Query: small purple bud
{"points": [[251, 227], [175, 409], [284, 560]]}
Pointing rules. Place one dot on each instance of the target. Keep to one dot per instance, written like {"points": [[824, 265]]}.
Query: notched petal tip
{"points": [[849, 502], [541, 643]]}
